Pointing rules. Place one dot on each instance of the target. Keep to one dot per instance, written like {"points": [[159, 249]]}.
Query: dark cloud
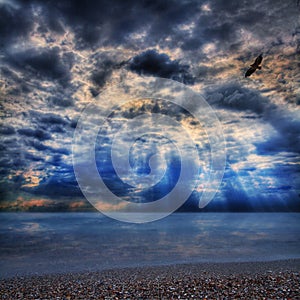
{"points": [[236, 97], [101, 22], [36, 145], [288, 125], [287, 136], [50, 122], [223, 24], [50, 150], [221, 33], [153, 63], [61, 100], [92, 20], [43, 62], [106, 23], [60, 150], [248, 17], [11, 160], [31, 157], [6, 129], [50, 20], [103, 66], [36, 133], [15, 22], [102, 73], [19, 86], [112, 22], [48, 118], [213, 28], [55, 160], [5, 162]]}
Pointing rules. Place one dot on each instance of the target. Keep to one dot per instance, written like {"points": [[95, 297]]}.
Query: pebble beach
{"points": [[248, 280]]}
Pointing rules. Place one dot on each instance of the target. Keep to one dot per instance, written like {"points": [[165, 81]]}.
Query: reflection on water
{"points": [[54, 242]]}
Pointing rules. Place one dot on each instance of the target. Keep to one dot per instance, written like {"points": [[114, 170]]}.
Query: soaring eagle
{"points": [[254, 66]]}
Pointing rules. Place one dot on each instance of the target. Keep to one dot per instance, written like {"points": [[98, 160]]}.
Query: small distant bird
{"points": [[254, 66]]}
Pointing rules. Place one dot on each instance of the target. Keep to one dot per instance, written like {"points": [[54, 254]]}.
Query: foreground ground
{"points": [[259, 280]]}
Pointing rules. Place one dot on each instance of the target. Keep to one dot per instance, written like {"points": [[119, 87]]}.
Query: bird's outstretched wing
{"points": [[258, 60], [250, 71]]}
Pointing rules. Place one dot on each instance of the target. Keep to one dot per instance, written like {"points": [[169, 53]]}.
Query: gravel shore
{"points": [[249, 280]]}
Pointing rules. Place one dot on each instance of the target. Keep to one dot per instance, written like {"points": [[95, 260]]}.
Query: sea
{"points": [[43, 243]]}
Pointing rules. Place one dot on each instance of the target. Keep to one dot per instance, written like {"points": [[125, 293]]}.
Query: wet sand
{"points": [[246, 280]]}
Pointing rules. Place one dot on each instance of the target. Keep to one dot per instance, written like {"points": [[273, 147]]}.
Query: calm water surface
{"points": [[36, 243]]}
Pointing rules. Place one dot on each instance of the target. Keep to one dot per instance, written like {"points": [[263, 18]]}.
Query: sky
{"points": [[57, 57]]}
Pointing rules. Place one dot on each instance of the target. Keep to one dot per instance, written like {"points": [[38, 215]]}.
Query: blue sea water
{"points": [[36, 243]]}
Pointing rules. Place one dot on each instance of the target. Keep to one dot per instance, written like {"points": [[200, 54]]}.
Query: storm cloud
{"points": [[42, 62], [156, 64]]}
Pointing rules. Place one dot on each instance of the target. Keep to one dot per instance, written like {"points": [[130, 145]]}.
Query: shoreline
{"points": [[220, 267], [229, 279]]}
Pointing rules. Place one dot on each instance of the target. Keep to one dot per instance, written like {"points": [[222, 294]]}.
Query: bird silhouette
{"points": [[254, 66]]}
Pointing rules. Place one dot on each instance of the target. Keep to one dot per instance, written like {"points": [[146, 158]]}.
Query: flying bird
{"points": [[254, 66]]}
